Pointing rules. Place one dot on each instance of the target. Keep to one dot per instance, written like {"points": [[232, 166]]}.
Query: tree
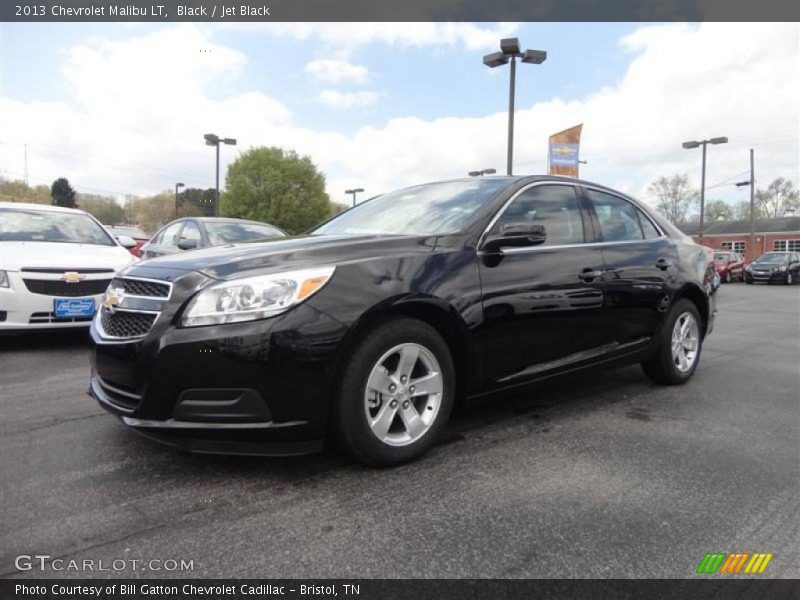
{"points": [[674, 198], [276, 186], [15, 190], [104, 208], [741, 211], [339, 207], [152, 212], [202, 200], [778, 199], [718, 210], [62, 193]]}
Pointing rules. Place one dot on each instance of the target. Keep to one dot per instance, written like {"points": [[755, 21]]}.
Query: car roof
{"points": [[41, 207]]}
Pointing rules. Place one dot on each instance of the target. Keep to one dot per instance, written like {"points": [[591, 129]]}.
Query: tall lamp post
{"points": [[703, 143], [177, 185], [215, 140], [750, 253], [354, 191], [509, 51]]}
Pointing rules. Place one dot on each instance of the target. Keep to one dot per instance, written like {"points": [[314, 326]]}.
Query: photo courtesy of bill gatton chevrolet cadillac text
{"points": [[368, 329]]}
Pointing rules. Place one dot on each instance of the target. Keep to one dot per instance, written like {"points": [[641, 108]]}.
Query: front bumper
{"points": [[23, 310], [765, 277], [259, 387]]}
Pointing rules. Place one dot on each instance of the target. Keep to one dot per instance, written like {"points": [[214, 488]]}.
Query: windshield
{"points": [[431, 209], [31, 225], [223, 232], [721, 256], [772, 257]]}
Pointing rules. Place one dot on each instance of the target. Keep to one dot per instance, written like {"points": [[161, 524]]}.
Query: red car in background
{"points": [[729, 265], [137, 234]]}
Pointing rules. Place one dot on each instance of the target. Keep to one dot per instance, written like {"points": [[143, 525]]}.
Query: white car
{"points": [[55, 265]]}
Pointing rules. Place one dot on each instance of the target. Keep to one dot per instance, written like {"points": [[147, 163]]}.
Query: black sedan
{"points": [[372, 326], [774, 267], [202, 232]]}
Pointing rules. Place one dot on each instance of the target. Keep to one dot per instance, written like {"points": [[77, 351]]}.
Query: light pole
{"points": [[482, 172], [215, 140], [704, 143], [750, 253], [509, 50], [354, 191], [177, 185]]}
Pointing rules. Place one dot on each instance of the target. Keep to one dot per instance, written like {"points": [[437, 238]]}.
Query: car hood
{"points": [[223, 262], [17, 255]]}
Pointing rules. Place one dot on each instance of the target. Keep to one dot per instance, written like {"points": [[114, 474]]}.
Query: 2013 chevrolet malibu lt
{"points": [[371, 327]]}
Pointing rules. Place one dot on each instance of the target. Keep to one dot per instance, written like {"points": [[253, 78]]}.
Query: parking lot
{"points": [[604, 475]]}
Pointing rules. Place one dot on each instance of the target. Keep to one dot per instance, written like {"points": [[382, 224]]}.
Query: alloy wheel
{"points": [[685, 342], [403, 394]]}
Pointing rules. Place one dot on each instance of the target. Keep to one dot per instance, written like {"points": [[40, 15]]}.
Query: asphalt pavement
{"points": [[601, 474]]}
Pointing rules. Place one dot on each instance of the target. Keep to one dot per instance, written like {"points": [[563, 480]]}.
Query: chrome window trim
{"points": [[586, 245], [632, 203], [514, 197]]}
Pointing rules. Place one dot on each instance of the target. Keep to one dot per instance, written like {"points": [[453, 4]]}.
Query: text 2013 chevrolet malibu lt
{"points": [[372, 326]]}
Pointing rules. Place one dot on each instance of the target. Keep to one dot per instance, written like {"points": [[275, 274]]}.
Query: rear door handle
{"points": [[589, 274], [663, 264]]}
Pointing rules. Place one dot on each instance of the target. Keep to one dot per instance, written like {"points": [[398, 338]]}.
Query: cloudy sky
{"points": [[122, 108]]}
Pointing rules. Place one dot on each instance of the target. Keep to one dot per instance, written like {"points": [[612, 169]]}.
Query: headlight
{"points": [[254, 297], [748, 268], [782, 268], [4, 279]]}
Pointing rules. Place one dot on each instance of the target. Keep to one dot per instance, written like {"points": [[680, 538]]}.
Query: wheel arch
{"points": [[437, 313], [695, 294]]}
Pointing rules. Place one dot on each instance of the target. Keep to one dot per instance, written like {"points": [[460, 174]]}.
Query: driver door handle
{"points": [[589, 274], [663, 264]]}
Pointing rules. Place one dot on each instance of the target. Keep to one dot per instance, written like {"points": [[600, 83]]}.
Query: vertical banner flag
{"points": [[564, 147]]}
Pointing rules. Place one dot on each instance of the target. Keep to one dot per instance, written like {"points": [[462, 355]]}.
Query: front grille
{"points": [[53, 287], [138, 287], [49, 317], [126, 324]]}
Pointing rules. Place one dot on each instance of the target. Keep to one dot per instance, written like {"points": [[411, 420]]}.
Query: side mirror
{"points": [[126, 242], [516, 235], [187, 244]]}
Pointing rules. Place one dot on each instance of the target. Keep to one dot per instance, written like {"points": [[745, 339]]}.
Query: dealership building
{"points": [[779, 235]]}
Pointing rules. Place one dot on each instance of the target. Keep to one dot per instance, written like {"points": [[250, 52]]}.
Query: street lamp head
{"points": [[535, 57], [719, 140], [211, 139], [489, 171], [689, 145], [229, 141], [495, 59], [474, 173], [358, 190], [510, 46], [180, 185]]}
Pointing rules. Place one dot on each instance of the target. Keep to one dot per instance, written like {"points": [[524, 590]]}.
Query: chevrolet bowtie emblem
{"points": [[72, 277], [113, 298]]}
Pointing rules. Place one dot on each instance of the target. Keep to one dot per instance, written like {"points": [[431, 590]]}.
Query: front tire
{"points": [[789, 279], [396, 394], [678, 346], [728, 277]]}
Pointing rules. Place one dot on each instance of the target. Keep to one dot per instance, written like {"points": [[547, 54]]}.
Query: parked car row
{"points": [[774, 267], [56, 263]]}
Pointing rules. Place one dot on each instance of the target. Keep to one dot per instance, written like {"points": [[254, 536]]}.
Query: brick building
{"points": [[782, 235]]}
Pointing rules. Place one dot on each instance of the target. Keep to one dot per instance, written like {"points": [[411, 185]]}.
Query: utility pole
{"points": [[26, 164], [752, 207]]}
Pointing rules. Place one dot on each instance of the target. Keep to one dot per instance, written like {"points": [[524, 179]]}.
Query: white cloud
{"points": [[134, 128], [349, 36], [336, 71], [337, 99]]}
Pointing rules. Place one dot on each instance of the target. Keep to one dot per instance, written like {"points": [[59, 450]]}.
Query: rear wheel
{"points": [[678, 346], [396, 394]]}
